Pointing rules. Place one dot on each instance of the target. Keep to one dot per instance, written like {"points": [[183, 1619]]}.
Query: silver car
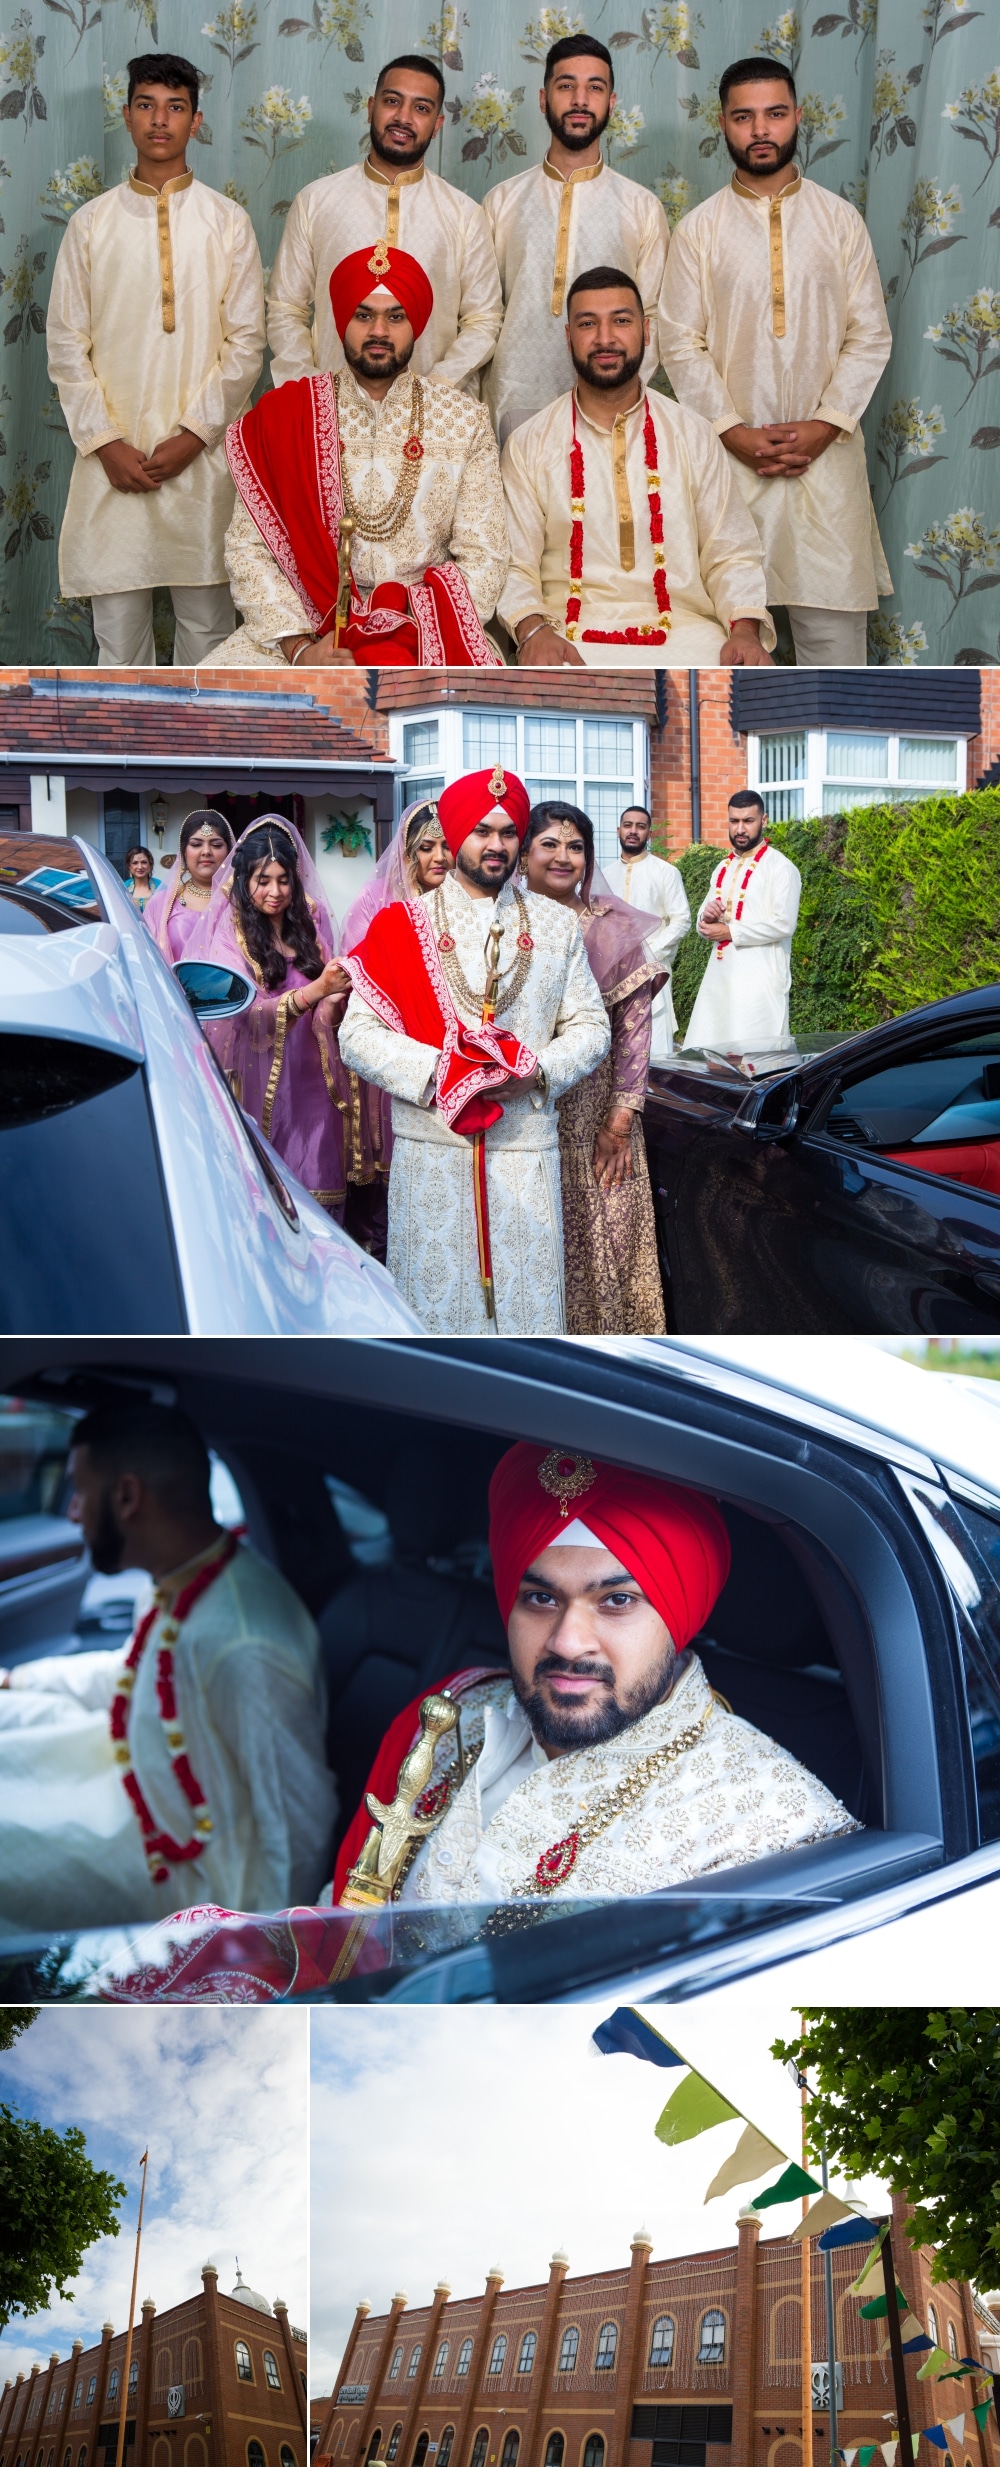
{"points": [[136, 1195]]}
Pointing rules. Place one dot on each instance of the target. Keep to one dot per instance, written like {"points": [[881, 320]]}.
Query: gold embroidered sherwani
{"points": [[457, 511], [546, 231], [771, 310], [558, 1013], [676, 1810], [444, 230], [649, 882], [156, 323], [713, 566]]}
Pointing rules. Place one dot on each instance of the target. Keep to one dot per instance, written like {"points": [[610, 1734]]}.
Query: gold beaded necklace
{"points": [[389, 518], [517, 974]]}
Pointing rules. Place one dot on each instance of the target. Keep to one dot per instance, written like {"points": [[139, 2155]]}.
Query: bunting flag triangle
{"points": [[824, 2213], [889, 2449], [877, 2306], [956, 2427], [790, 2187], [982, 2411], [913, 2336], [853, 2231], [694, 2108], [936, 2433], [915, 2438], [866, 2453], [938, 2361], [753, 2155], [872, 2261], [850, 2456], [628, 2033]]}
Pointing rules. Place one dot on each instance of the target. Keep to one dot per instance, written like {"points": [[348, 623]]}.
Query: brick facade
{"points": [[403, 2396], [67, 2415]]}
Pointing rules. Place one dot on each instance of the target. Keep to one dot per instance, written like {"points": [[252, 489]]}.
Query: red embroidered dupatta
{"points": [[397, 971]]}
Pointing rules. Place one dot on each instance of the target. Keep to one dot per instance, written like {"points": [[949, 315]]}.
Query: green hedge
{"points": [[900, 905]]}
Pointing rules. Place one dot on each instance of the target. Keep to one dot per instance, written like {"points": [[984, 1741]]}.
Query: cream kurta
{"points": [[742, 1002], [731, 1796], [560, 1016], [546, 231], [649, 882], [250, 1703], [713, 566], [120, 374], [444, 230], [719, 308], [457, 512]]}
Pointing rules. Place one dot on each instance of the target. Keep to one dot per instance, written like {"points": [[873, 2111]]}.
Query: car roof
{"points": [[72, 985]]}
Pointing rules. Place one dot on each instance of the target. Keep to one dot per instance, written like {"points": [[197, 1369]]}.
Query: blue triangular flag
{"points": [[936, 2433], [847, 2231], [625, 2033], [911, 2347]]}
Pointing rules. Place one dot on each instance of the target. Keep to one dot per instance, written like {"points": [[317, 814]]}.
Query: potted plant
{"points": [[348, 833]]}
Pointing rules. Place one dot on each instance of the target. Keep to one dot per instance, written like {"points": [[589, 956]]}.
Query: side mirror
{"points": [[213, 992], [770, 1113]]}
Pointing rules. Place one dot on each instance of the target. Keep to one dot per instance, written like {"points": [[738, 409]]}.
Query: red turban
{"points": [[673, 1541], [469, 800], [380, 269]]}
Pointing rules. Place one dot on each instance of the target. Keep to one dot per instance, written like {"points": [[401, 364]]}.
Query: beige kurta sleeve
{"points": [[70, 343], [480, 312], [676, 918], [290, 294], [583, 1029], [650, 271], [89, 1678], [228, 386], [683, 331], [522, 592], [729, 553], [269, 607], [773, 914], [867, 337], [478, 541], [398, 1063]]}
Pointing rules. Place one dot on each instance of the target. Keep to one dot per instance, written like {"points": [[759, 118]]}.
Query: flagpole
{"points": [[120, 2447], [831, 2330], [807, 2416], [896, 2352]]}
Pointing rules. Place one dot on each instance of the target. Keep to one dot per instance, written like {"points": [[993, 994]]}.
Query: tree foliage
{"points": [[13, 2019], [912, 2095], [53, 2204]]}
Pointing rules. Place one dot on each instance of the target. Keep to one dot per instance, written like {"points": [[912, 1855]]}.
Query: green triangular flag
{"points": [[878, 2306], [694, 2107], [866, 2453], [938, 2361], [982, 2411], [789, 2187]]}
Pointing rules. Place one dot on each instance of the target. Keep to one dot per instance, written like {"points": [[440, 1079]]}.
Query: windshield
{"points": [[85, 1239]]}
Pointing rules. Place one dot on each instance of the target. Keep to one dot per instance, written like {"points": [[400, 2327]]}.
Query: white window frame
{"points": [[451, 762], [890, 789]]}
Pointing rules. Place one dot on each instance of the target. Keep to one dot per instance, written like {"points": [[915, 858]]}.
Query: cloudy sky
{"points": [[220, 2097], [446, 2141]]}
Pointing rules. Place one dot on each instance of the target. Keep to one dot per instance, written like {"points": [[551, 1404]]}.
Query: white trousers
{"points": [[123, 624], [829, 637]]}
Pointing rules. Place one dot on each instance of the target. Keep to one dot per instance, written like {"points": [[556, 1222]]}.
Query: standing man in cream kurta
{"points": [[156, 341], [749, 915], [648, 882], [391, 198], [773, 325], [572, 211]]}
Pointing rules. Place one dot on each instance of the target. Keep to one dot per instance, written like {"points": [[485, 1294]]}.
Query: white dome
{"points": [[248, 2295]]}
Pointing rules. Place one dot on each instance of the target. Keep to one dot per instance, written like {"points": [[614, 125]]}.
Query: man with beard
{"points": [[749, 914], [410, 467], [773, 326], [477, 993], [393, 200], [605, 1764], [647, 881], [628, 532], [188, 1767], [571, 211]]}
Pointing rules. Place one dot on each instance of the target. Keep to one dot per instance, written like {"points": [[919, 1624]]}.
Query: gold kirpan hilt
{"points": [[345, 533], [396, 1830]]}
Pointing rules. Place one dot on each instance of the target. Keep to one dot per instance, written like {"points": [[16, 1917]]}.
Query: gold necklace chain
{"points": [[460, 987], [558, 1862], [390, 518]]}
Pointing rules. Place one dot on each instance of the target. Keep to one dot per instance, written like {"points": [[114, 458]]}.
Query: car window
{"points": [[966, 1541], [366, 1527], [85, 1240], [950, 1094], [34, 1445], [17, 918]]}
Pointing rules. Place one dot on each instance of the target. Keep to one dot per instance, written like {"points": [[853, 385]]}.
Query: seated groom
{"points": [[630, 541], [187, 1766], [411, 467], [605, 1764]]}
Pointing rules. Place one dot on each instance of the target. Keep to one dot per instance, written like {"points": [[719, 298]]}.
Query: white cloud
{"points": [[219, 2096], [446, 2141]]}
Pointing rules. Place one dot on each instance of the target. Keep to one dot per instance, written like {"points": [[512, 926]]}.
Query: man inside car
{"points": [[605, 1764], [188, 1768]]}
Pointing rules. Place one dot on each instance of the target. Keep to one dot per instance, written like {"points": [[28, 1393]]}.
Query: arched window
{"points": [[113, 2381], [375, 2443], [244, 2367], [932, 2328], [287, 2456], [445, 2445], [499, 2352], [192, 2363], [393, 2443], [554, 2453], [508, 2455], [712, 2344], [82, 2460], [440, 2360], [271, 2373], [526, 2358], [68, 2460], [420, 2452], [91, 2389], [255, 2455], [464, 2359], [607, 2348], [411, 2369], [952, 2343], [661, 2345], [394, 2368], [593, 2455], [133, 2377], [479, 2447], [569, 2351], [77, 2402]]}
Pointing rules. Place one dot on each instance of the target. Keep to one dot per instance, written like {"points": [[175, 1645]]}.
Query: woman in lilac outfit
{"points": [[181, 903], [417, 859]]}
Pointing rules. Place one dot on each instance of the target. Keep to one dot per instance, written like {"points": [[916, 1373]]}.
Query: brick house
{"points": [[692, 2362], [218, 2381]]}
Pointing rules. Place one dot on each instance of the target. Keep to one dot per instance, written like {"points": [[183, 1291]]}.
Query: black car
{"points": [[848, 1186]]}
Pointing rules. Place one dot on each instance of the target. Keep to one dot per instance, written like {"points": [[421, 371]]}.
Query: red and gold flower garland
{"points": [[723, 869], [162, 1852], [627, 633]]}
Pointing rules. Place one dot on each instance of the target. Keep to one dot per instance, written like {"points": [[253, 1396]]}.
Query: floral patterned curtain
{"points": [[901, 113]]}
